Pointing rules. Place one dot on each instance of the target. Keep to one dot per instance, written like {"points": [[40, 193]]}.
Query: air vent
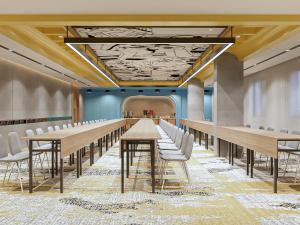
{"points": [[272, 57]]}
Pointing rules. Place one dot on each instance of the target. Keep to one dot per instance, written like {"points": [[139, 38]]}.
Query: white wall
{"points": [[26, 94], [271, 97]]}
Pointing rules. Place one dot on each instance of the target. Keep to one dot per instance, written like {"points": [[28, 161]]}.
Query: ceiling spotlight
{"points": [[173, 91], [60, 36], [288, 50], [123, 90], [107, 91], [157, 90], [10, 50], [88, 91], [237, 36], [140, 91], [210, 29]]}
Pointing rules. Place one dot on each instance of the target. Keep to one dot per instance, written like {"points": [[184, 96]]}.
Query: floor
{"points": [[219, 194]]}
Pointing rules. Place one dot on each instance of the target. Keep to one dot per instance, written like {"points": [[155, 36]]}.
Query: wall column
{"points": [[228, 94], [195, 99]]}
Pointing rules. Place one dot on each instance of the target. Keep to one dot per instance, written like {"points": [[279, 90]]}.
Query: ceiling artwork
{"points": [[148, 61]]}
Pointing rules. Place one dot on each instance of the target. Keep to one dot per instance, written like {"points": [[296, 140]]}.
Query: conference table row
{"points": [[69, 141], [253, 140]]}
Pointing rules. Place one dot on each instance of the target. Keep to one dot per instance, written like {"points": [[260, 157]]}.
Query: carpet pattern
{"points": [[218, 194]]}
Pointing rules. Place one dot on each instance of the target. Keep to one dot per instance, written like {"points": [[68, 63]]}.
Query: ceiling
{"points": [[257, 25], [148, 61], [150, 7]]}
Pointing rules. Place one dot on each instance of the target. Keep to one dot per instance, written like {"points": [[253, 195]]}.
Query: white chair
{"points": [[181, 157], [64, 126], [18, 153], [56, 128], [173, 146], [79, 124], [50, 129], [69, 125], [75, 124]]}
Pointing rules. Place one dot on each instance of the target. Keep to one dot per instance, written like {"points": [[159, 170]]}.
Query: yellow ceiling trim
{"points": [[38, 42], [150, 20]]}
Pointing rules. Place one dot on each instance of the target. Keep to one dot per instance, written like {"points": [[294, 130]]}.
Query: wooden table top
{"points": [[144, 129], [72, 139], [61, 134]]}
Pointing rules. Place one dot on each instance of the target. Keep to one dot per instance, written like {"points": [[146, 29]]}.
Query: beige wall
{"points": [[162, 106], [27, 94], [274, 87]]}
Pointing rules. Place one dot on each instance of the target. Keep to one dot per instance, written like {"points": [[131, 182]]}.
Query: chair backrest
{"points": [[178, 139], [56, 128], [294, 144], [189, 146], [79, 124], [3, 149], [261, 127], [65, 126], [184, 142], [14, 142], [50, 129], [75, 124], [40, 131], [248, 125], [174, 133], [29, 133], [270, 129], [83, 123], [69, 125]]}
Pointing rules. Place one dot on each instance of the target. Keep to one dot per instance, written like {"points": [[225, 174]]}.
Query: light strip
{"points": [[206, 64], [92, 64]]}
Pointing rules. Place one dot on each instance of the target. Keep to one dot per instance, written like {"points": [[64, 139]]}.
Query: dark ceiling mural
{"points": [[148, 61]]}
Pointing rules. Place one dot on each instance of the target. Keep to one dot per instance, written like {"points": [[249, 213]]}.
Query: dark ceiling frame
{"points": [[149, 40]]}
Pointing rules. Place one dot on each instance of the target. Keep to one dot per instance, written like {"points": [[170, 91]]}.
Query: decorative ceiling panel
{"points": [[148, 61]]}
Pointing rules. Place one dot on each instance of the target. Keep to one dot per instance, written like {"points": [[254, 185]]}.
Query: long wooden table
{"points": [[143, 132], [72, 140], [255, 140], [203, 127]]}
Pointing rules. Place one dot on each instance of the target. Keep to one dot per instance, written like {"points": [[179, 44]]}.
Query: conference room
{"points": [[149, 113]]}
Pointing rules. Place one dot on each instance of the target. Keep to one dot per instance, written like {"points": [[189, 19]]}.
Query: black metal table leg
{"points": [[61, 175], [77, 164], [30, 166], [127, 159], [152, 152], [229, 152], [80, 162], [200, 134], [251, 163], [56, 159], [106, 142], [100, 147], [271, 166], [92, 153], [206, 141], [232, 154], [248, 160], [52, 159], [115, 136], [275, 174], [122, 166], [132, 146], [195, 135], [111, 139], [219, 147]]}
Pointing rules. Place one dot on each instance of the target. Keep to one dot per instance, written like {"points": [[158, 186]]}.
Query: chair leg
{"points": [[10, 172], [286, 164], [162, 174], [19, 176], [8, 164], [186, 172]]}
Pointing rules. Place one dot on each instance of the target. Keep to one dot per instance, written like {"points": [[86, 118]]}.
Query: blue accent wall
{"points": [[101, 104]]}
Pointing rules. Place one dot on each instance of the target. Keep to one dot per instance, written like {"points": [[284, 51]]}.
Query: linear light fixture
{"points": [[206, 64], [92, 64]]}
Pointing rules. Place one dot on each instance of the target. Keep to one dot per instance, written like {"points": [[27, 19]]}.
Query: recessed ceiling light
{"points": [[157, 91], [10, 50], [107, 90], [288, 50], [123, 90], [237, 36], [60, 36], [210, 29]]}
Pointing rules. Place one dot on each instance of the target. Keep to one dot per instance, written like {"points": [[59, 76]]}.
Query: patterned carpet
{"points": [[219, 194]]}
